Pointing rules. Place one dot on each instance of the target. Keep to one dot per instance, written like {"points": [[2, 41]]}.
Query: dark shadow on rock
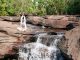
{"points": [[70, 26], [33, 39], [52, 33], [11, 56], [65, 56]]}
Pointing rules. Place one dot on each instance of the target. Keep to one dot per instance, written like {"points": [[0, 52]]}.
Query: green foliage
{"points": [[39, 7], [3, 7], [74, 7]]}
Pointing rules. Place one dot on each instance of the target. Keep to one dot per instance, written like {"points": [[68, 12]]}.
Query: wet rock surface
{"points": [[70, 44], [11, 38]]}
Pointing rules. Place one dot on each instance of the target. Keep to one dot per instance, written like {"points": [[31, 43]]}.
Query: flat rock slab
{"points": [[6, 43], [54, 21], [11, 29]]}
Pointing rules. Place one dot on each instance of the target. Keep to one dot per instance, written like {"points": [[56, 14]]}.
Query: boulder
{"points": [[70, 44], [53, 21], [73, 38]]}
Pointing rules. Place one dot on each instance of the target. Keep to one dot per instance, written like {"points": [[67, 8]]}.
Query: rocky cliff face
{"points": [[73, 43], [11, 38], [70, 44]]}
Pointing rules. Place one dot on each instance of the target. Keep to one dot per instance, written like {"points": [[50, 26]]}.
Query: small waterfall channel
{"points": [[23, 26], [44, 48]]}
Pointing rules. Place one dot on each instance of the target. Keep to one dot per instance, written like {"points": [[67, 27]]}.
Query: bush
{"points": [[74, 7], [39, 7]]}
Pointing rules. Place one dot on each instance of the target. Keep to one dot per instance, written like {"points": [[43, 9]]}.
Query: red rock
{"points": [[73, 38], [53, 21]]}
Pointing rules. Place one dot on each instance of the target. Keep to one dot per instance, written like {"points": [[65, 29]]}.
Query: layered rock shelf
{"points": [[11, 37]]}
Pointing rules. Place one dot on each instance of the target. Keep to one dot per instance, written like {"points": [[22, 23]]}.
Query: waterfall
{"points": [[23, 26], [38, 51], [39, 37]]}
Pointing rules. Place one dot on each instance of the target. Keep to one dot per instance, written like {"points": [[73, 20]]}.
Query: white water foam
{"points": [[39, 51], [39, 37], [22, 26]]}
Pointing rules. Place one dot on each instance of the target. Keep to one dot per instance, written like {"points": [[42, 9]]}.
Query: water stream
{"points": [[40, 51], [23, 26]]}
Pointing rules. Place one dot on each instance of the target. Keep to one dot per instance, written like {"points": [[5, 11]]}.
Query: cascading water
{"points": [[39, 37], [40, 51], [23, 26]]}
